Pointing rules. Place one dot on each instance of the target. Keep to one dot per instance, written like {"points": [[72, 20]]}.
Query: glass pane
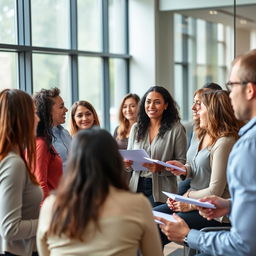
{"points": [[117, 31], [117, 75], [178, 37], [201, 41], [89, 25], [8, 22], [52, 71], [178, 90], [50, 21], [8, 70], [90, 83]]}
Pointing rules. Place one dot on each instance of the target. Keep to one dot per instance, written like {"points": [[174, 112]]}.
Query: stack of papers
{"points": [[189, 200], [166, 216]]}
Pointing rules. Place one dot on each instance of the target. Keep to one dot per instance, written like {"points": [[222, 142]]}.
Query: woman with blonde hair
{"points": [[208, 159], [20, 194], [127, 117], [93, 212], [83, 116]]}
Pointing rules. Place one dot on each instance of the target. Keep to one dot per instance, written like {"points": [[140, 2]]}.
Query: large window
{"points": [[79, 46]]}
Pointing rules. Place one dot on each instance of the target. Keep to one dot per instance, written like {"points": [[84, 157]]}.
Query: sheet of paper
{"points": [[166, 216], [137, 156], [189, 200], [164, 164]]}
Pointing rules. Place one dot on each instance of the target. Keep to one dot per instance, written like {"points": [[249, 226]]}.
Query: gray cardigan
{"points": [[172, 146], [19, 207]]}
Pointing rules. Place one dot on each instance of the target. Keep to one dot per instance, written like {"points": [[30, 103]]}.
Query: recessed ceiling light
{"points": [[213, 12], [243, 22]]}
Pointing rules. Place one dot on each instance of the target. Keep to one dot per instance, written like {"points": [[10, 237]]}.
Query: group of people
{"points": [[93, 209]]}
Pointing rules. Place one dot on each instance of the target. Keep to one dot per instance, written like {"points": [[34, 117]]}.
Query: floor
{"points": [[173, 249]]}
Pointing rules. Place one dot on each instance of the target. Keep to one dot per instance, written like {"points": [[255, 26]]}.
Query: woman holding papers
{"points": [[93, 212], [159, 132], [208, 158]]}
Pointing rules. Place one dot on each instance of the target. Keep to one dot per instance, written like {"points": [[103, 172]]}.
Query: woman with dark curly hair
{"points": [[48, 169], [159, 132]]}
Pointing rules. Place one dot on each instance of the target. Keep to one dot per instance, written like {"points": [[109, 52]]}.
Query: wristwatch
{"points": [[185, 241]]}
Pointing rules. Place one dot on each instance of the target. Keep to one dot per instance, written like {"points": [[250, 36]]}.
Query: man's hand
{"points": [[175, 231], [222, 207]]}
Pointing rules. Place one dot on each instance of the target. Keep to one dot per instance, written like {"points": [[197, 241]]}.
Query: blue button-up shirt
{"points": [[61, 143], [241, 177]]}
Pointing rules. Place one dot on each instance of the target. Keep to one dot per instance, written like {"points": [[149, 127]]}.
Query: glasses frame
{"points": [[229, 85]]}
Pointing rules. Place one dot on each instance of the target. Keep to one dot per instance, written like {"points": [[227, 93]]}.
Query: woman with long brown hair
{"points": [[127, 117], [83, 116], [20, 195], [208, 159], [93, 212]]}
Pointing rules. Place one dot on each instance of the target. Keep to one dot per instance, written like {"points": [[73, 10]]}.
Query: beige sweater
{"points": [[126, 225]]}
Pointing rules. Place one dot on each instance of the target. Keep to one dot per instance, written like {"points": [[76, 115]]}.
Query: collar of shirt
{"points": [[247, 127]]}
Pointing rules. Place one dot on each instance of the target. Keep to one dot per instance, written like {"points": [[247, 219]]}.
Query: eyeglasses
{"points": [[229, 85]]}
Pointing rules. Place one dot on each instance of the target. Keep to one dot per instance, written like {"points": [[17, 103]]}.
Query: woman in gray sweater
{"points": [[20, 194], [160, 133]]}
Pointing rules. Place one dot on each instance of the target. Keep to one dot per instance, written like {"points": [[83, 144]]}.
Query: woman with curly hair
{"points": [[160, 133], [127, 117], [20, 194], [208, 159], [48, 169], [83, 116]]}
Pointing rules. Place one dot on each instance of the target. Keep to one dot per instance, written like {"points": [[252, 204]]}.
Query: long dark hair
{"points": [[94, 165], [44, 102], [169, 118]]}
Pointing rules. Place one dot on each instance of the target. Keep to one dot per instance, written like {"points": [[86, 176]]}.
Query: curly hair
{"points": [[221, 119], [169, 118], [44, 101], [124, 127]]}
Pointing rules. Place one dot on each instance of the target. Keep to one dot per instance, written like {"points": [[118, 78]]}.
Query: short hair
{"points": [[18, 126], [221, 118], [212, 86], [123, 128], [73, 127], [169, 118], [44, 103], [94, 165]]}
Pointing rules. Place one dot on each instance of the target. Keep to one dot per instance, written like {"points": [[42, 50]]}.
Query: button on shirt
{"points": [[241, 176]]}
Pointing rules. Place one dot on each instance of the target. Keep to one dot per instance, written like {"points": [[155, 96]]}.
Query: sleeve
{"points": [[12, 183], [180, 144], [150, 244], [115, 132], [240, 241], [43, 226], [219, 159], [42, 163], [132, 136]]}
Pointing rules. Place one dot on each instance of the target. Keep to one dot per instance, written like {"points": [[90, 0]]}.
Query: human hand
{"points": [[222, 207], [182, 207], [175, 171], [175, 231], [153, 167], [127, 163]]}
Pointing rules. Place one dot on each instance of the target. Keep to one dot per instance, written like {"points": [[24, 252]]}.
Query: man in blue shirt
{"points": [[241, 176]]}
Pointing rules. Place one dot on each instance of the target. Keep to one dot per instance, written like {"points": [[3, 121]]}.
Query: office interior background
{"points": [[99, 50]]}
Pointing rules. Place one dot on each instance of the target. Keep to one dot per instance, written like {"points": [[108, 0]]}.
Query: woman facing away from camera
{"points": [[20, 194], [207, 161], [127, 117], [93, 212], [160, 133], [83, 116]]}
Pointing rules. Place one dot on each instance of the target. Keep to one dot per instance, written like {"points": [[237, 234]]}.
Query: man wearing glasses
{"points": [[241, 176]]}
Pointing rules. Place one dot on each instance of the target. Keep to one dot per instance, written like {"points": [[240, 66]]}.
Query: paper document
{"points": [[164, 164], [166, 216], [189, 200], [137, 156]]}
